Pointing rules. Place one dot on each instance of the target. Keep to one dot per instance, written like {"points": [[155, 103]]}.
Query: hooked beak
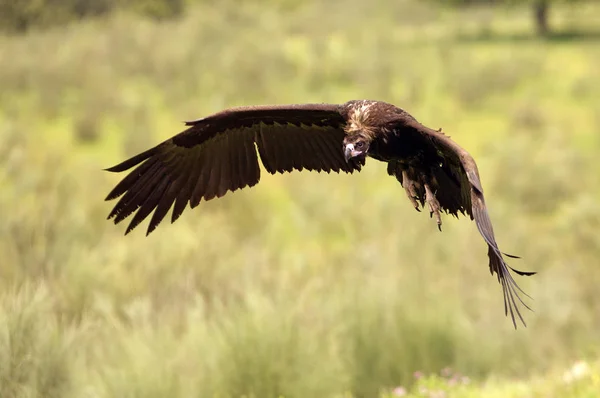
{"points": [[348, 152]]}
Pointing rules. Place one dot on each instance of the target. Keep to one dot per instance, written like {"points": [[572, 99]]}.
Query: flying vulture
{"points": [[220, 153]]}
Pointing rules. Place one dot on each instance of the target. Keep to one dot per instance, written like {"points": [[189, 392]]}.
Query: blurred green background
{"points": [[307, 285]]}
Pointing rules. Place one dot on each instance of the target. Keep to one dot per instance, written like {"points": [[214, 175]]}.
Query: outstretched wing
{"points": [[218, 154], [459, 189]]}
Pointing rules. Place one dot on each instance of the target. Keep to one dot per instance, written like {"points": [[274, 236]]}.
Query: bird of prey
{"points": [[221, 152]]}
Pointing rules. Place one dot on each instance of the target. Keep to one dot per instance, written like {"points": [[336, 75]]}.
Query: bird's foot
{"points": [[410, 189], [434, 206]]}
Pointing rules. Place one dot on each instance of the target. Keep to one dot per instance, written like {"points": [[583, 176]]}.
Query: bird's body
{"points": [[220, 153]]}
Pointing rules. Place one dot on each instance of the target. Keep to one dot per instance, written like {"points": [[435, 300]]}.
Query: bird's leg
{"points": [[434, 205], [410, 189]]}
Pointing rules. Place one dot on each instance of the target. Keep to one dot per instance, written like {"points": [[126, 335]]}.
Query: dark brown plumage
{"points": [[220, 153]]}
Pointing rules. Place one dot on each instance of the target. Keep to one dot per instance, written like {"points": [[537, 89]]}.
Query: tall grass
{"points": [[307, 284]]}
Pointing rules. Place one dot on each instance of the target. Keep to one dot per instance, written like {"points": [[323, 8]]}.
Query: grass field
{"points": [[307, 285]]}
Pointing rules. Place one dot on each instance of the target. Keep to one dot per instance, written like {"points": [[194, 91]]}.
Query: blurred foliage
{"points": [[22, 15], [540, 9], [33, 350], [581, 379], [307, 284]]}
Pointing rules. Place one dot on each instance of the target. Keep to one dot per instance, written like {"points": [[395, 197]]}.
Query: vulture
{"points": [[221, 152]]}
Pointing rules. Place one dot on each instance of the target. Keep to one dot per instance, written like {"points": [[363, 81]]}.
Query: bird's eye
{"points": [[360, 144]]}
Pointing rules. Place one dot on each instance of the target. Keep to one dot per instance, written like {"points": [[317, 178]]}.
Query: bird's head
{"points": [[361, 124], [356, 145]]}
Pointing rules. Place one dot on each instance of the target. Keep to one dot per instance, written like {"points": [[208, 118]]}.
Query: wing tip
{"points": [[132, 161], [510, 255], [510, 287], [522, 273]]}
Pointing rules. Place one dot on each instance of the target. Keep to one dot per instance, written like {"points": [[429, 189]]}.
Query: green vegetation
{"points": [[580, 380], [307, 285], [540, 9], [23, 15]]}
